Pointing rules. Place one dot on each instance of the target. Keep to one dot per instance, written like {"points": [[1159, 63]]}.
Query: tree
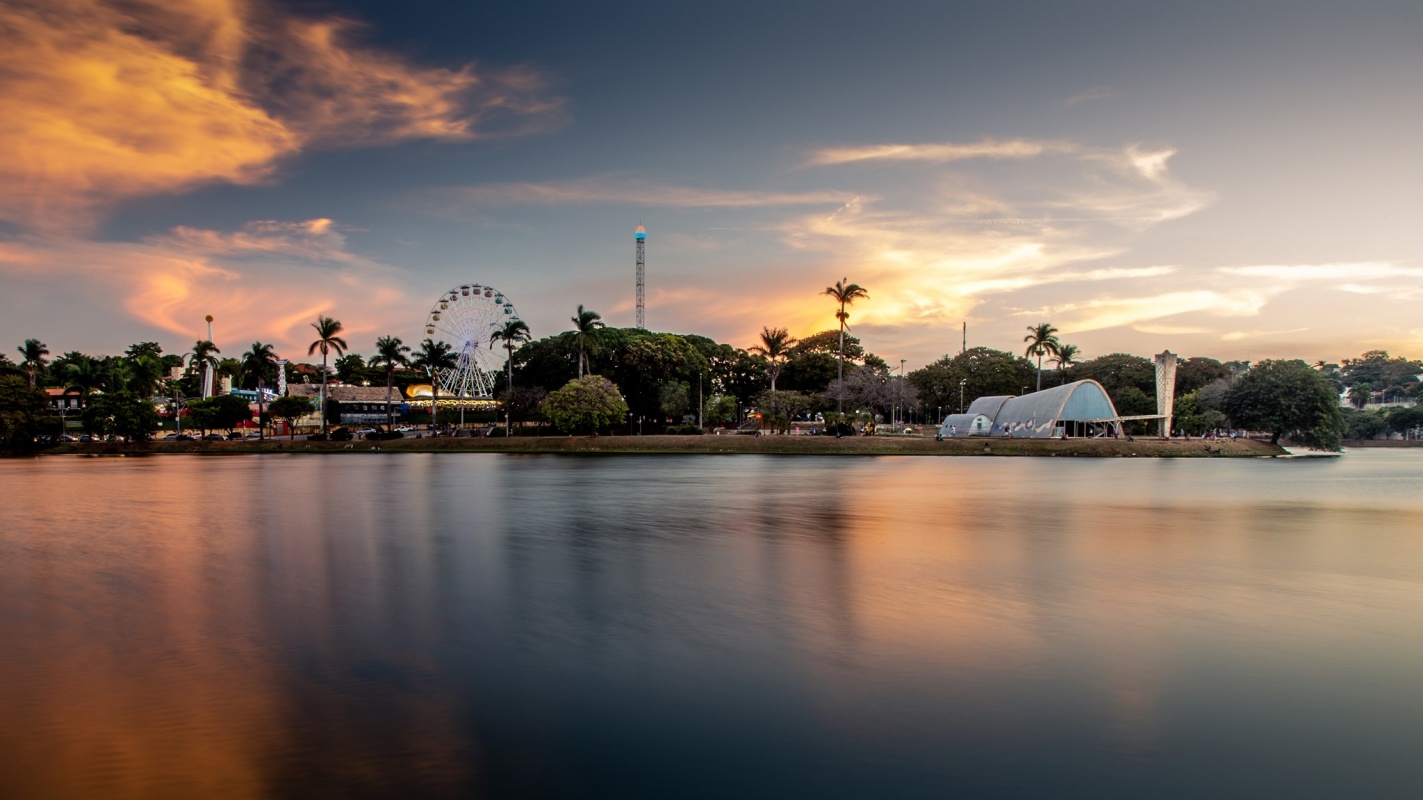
{"points": [[974, 373], [34, 352], [291, 409], [143, 375], [775, 347], [1116, 372], [1359, 395], [390, 353], [261, 362], [673, 401], [585, 404], [434, 357], [874, 389], [844, 293], [1364, 424], [349, 368], [1403, 420], [123, 414], [144, 349], [23, 409], [326, 341], [1066, 356], [224, 411], [515, 331], [1042, 341], [1195, 373], [83, 375], [720, 409], [203, 357], [1389, 375], [586, 327], [1287, 397]]}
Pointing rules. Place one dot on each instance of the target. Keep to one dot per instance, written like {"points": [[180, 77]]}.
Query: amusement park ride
{"points": [[465, 317]]}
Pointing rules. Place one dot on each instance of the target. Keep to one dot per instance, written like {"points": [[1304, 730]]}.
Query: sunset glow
{"points": [[264, 162]]}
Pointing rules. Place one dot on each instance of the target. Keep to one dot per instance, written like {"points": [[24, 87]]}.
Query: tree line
{"points": [[593, 377]]}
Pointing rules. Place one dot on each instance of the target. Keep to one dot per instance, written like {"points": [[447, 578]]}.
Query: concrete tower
{"points": [[640, 236]]}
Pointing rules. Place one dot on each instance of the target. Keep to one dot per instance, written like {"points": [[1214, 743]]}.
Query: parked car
{"points": [[234, 436], [403, 429], [184, 437], [364, 431], [64, 437], [213, 437], [341, 435], [254, 435]]}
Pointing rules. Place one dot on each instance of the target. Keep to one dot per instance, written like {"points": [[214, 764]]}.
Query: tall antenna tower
{"points": [[640, 236]]}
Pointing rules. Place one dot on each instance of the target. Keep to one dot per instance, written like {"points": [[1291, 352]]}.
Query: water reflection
{"points": [[387, 624]]}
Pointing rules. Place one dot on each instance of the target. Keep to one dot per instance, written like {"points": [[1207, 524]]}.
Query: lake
{"points": [[477, 625]]}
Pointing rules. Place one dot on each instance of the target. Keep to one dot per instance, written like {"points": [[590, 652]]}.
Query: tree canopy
{"points": [[585, 404], [1287, 398]]}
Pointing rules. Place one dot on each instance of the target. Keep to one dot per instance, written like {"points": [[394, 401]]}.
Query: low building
{"points": [[1078, 409], [64, 401], [359, 404]]}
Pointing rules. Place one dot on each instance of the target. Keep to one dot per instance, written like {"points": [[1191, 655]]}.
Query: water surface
{"points": [[384, 624]]}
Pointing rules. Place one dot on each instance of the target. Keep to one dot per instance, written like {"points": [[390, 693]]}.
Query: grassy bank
{"points": [[783, 445]]}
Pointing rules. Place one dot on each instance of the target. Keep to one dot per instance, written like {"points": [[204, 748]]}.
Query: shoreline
{"points": [[714, 445]]}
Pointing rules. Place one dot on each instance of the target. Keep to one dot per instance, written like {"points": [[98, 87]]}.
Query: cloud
{"points": [[940, 153], [1095, 93], [1235, 336], [106, 100], [1134, 189], [1355, 271], [265, 281], [1126, 311], [313, 240], [611, 189]]}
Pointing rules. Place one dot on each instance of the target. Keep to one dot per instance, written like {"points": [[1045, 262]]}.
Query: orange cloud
{"points": [[264, 282], [105, 100]]}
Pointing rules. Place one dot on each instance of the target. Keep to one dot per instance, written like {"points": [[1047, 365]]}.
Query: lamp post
{"points": [[962, 381], [899, 395]]}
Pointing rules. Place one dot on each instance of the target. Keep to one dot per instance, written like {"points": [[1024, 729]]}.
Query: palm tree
{"points": [[204, 356], [260, 361], [1042, 341], [776, 347], [326, 341], [34, 352], [1065, 357], [432, 357], [1360, 394], [845, 293], [515, 331], [83, 375], [145, 375], [390, 351], [585, 332]]}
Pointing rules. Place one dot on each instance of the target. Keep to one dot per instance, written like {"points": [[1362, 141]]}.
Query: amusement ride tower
{"points": [[640, 236]]}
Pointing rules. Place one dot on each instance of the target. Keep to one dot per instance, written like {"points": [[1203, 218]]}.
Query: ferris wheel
{"points": [[465, 317]]}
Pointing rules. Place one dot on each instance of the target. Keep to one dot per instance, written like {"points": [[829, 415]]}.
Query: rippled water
{"points": [[375, 624]]}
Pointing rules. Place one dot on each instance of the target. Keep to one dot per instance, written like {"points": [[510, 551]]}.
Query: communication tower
{"points": [[640, 236]]}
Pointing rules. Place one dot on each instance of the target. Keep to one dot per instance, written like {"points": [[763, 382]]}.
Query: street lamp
{"points": [[962, 381]]}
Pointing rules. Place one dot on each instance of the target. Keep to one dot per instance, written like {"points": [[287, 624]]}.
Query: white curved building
{"points": [[1078, 409]]}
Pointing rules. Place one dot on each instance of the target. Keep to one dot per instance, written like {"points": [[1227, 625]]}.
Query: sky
{"points": [[1237, 180]]}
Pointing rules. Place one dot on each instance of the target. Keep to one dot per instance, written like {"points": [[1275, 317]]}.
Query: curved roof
{"points": [[988, 406], [966, 425], [1037, 414]]}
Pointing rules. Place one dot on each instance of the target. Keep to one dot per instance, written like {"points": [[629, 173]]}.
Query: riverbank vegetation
{"points": [[658, 382]]}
